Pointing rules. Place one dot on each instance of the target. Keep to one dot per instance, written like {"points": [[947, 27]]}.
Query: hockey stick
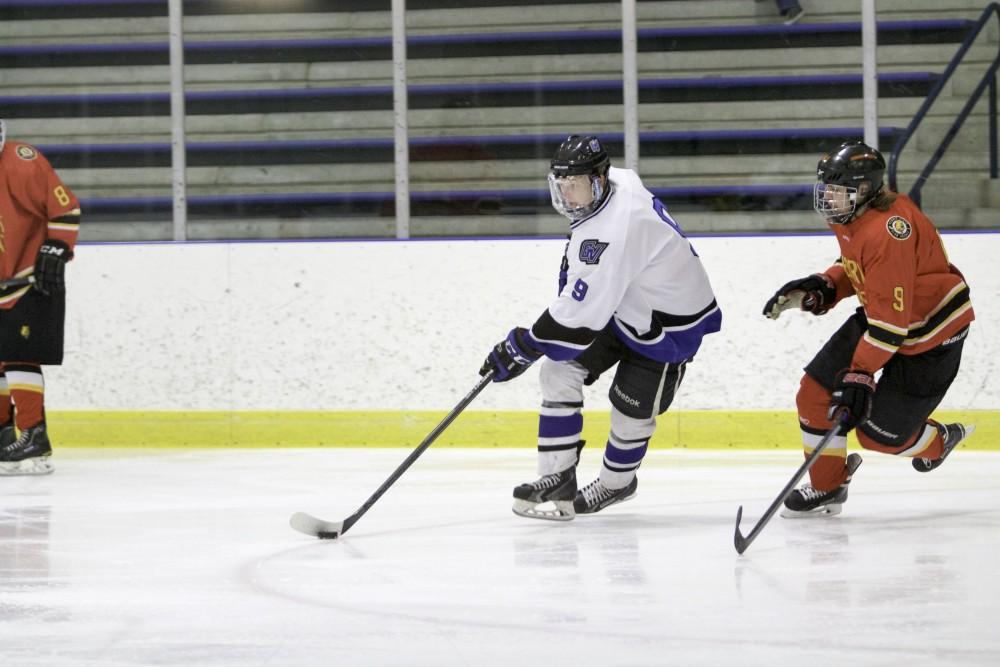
{"points": [[17, 282], [742, 542], [329, 530]]}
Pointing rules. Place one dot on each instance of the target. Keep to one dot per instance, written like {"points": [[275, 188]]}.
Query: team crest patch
{"points": [[898, 228], [26, 152], [591, 251]]}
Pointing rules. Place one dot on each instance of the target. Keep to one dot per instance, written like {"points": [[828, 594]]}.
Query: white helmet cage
{"points": [[3, 133], [836, 203]]}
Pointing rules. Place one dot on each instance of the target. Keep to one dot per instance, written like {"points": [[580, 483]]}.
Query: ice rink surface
{"points": [[160, 557]]}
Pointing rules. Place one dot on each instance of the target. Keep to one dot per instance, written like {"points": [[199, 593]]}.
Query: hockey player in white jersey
{"points": [[632, 293]]}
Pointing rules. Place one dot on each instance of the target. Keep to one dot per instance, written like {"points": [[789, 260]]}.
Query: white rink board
{"points": [[395, 325]]}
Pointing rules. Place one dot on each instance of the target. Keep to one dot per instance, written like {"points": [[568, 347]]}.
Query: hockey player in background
{"points": [[39, 220], [914, 316], [633, 294]]}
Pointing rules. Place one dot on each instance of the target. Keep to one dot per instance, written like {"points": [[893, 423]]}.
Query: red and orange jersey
{"points": [[896, 264], [34, 206]]}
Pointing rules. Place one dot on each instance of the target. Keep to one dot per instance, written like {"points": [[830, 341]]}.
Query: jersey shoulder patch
{"points": [[591, 251], [26, 152], [899, 228]]}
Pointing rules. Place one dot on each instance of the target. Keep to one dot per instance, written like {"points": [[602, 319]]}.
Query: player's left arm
{"points": [[61, 210], [890, 271]]}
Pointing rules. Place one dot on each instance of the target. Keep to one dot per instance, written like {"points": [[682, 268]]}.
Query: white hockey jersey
{"points": [[629, 266]]}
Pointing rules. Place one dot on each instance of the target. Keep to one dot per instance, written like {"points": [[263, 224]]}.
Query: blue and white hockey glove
{"points": [[511, 356]]}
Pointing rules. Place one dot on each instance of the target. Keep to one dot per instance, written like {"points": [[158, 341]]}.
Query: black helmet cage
{"points": [[856, 170]]}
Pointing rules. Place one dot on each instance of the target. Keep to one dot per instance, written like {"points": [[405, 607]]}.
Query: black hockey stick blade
{"points": [[331, 530], [742, 542]]}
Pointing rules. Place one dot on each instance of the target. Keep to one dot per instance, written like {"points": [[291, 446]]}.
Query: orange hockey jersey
{"points": [[34, 206], [896, 264]]}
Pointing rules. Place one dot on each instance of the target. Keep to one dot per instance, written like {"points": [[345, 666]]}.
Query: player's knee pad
{"points": [[813, 403], [562, 381]]}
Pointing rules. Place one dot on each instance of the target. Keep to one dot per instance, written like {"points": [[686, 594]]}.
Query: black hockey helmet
{"points": [[578, 176], [849, 177], [580, 154]]}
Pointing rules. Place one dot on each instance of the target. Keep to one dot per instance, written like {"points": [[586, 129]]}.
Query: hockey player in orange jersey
{"points": [[39, 221], [912, 322]]}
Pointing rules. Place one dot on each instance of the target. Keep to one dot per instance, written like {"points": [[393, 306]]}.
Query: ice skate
{"points": [[806, 501], [952, 434], [29, 454], [595, 496], [555, 492], [8, 434]]}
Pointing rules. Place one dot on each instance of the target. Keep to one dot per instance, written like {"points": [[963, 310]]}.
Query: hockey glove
{"points": [[815, 293], [511, 356], [50, 267], [851, 401]]}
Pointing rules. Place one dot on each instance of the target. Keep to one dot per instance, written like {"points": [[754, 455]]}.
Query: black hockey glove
{"points": [[851, 401], [511, 356], [50, 266], [815, 293]]}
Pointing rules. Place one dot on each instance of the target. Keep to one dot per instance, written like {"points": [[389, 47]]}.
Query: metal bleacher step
{"points": [[289, 106]]}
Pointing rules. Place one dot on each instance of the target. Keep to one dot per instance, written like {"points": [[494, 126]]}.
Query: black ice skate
{"points": [[29, 454], [558, 488], [952, 434], [806, 501], [7, 434], [595, 496]]}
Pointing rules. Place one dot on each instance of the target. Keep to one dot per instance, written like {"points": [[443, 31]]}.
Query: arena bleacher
{"points": [[290, 134]]}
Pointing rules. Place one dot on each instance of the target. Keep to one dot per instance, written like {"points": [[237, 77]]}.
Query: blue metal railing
{"points": [[989, 80]]}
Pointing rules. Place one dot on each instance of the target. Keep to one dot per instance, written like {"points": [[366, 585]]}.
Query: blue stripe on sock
{"points": [[559, 427], [625, 456]]}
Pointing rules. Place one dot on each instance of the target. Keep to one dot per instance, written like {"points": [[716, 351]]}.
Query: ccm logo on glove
{"points": [[50, 266]]}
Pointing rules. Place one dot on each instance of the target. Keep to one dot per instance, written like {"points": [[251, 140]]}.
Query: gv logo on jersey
{"points": [[591, 251]]}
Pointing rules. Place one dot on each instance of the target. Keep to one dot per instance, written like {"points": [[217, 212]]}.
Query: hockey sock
{"points": [[5, 403], [27, 391]]}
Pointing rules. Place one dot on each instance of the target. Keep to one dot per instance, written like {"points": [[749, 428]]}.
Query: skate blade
{"points": [[563, 510], [39, 465], [819, 512]]}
